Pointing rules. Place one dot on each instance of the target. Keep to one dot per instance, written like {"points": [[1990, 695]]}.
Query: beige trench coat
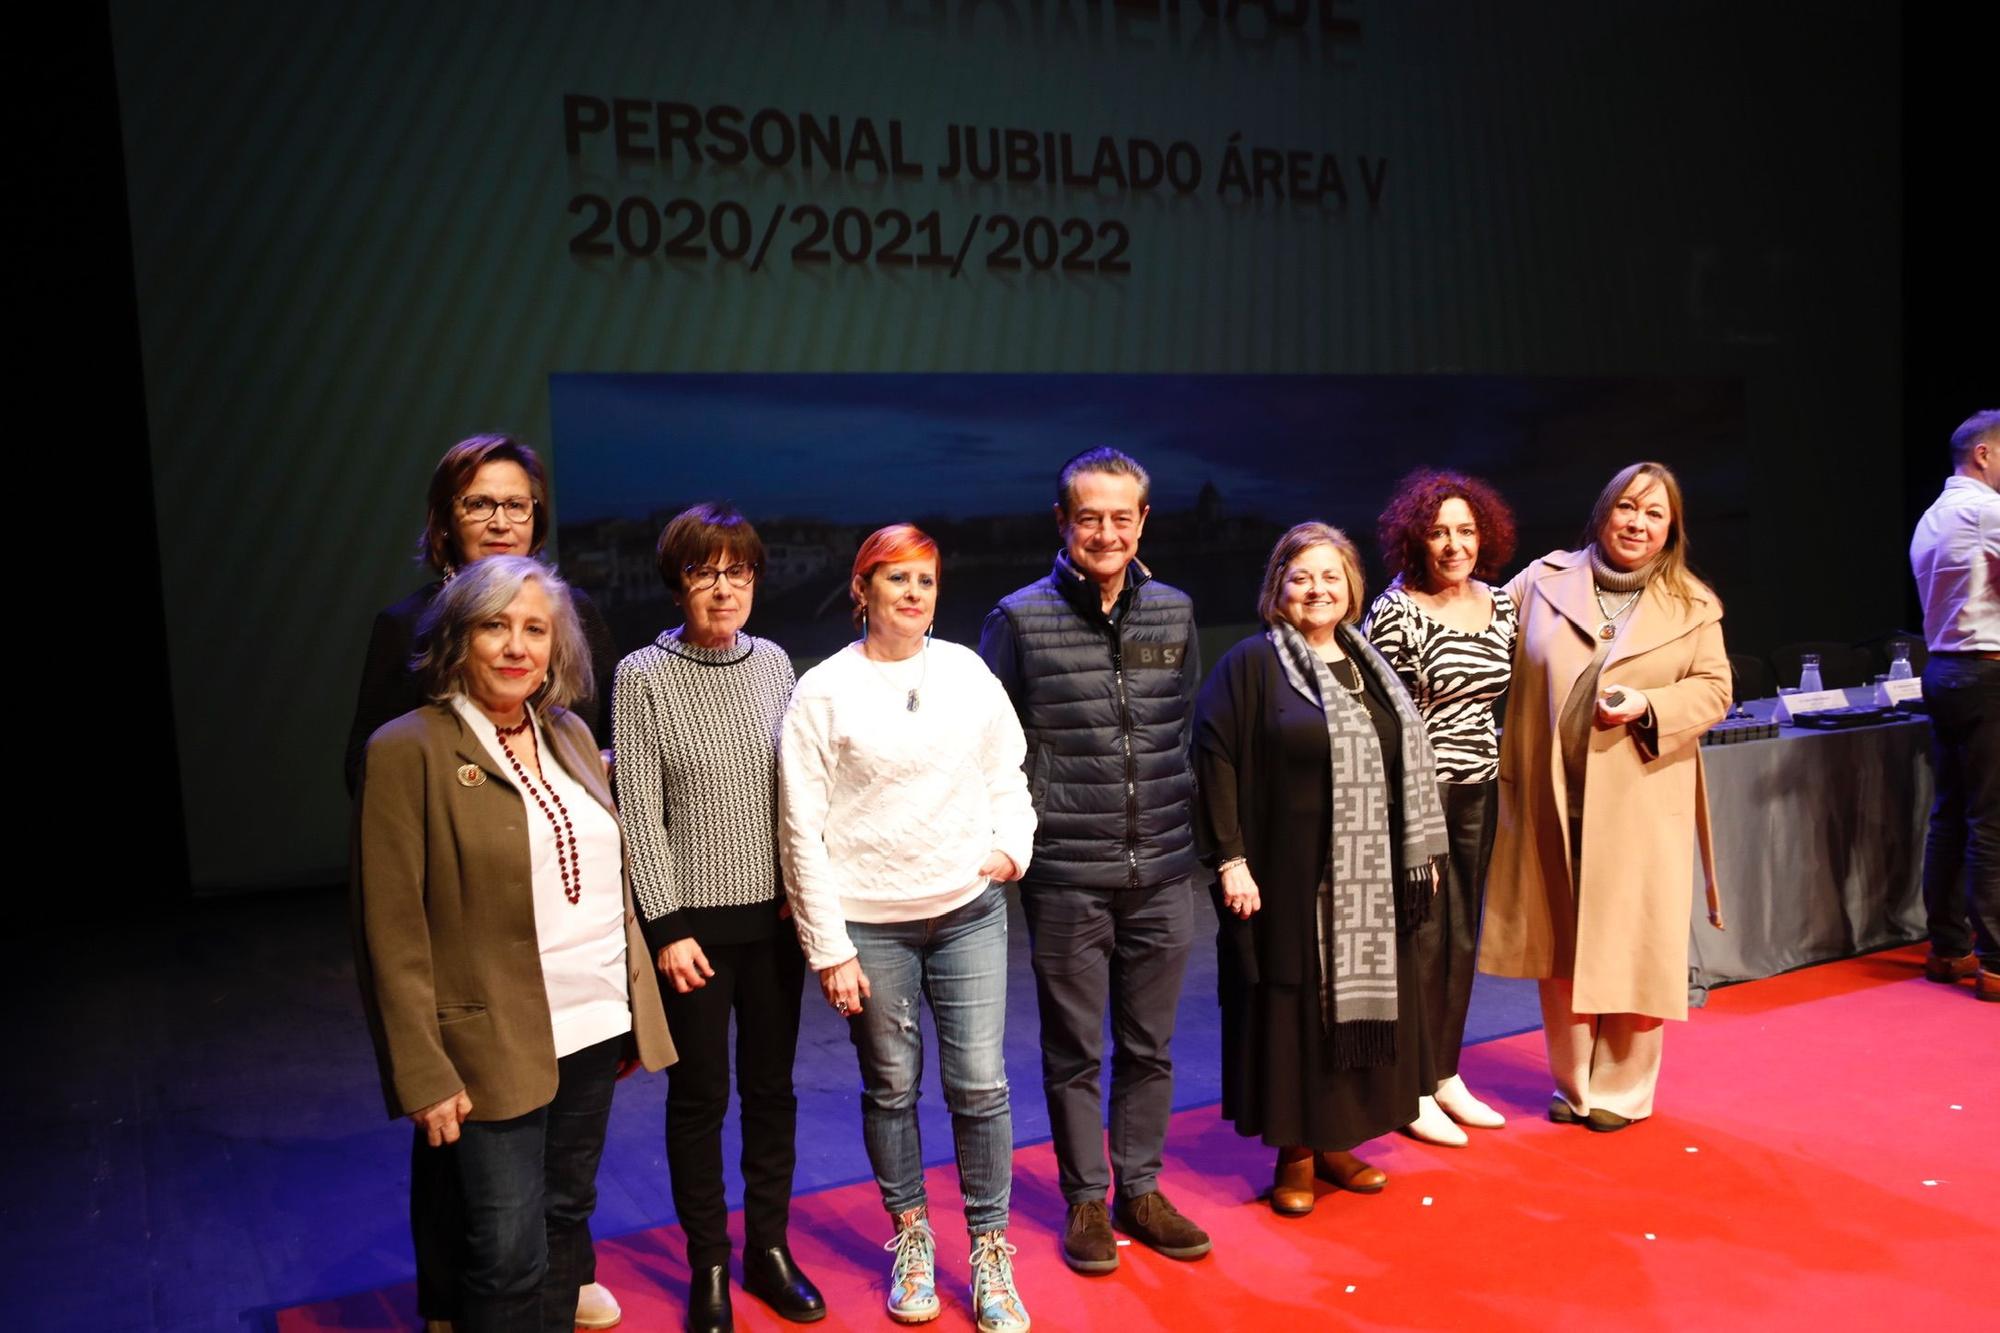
{"points": [[1618, 924]]}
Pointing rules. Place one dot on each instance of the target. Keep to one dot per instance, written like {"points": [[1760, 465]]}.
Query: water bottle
{"points": [[1809, 673], [1899, 660]]}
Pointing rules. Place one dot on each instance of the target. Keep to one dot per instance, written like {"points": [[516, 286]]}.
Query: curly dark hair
{"points": [[1412, 510]]}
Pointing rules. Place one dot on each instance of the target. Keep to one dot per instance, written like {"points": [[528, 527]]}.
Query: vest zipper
{"points": [[1131, 766]]}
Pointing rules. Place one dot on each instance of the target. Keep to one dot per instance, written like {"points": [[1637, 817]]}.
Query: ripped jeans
{"points": [[959, 961]]}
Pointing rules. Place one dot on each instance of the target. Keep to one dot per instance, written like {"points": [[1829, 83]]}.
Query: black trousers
{"points": [[760, 981], [1125, 950], [1963, 695], [1446, 945], [437, 1226]]}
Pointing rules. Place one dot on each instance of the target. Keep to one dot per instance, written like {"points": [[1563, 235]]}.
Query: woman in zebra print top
{"points": [[1450, 637]]}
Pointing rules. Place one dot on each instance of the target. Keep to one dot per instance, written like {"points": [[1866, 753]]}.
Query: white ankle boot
{"points": [[1456, 1101], [1432, 1125]]}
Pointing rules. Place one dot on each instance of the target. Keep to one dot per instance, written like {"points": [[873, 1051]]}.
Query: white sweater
{"points": [[886, 813]]}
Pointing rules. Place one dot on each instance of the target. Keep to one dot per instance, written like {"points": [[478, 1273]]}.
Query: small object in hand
{"points": [[1614, 697]]}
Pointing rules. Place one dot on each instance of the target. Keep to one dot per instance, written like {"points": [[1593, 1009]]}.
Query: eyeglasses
{"points": [[479, 508], [700, 578]]}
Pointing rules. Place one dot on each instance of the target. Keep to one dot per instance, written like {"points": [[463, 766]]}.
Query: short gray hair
{"points": [[1979, 428], [1105, 459], [482, 590]]}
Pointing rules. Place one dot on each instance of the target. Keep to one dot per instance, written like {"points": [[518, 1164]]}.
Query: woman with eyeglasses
{"points": [[696, 714], [488, 496]]}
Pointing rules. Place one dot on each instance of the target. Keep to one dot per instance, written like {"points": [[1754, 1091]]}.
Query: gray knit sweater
{"points": [[696, 734]]}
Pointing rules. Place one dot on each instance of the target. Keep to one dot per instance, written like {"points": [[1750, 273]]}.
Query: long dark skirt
{"points": [[1277, 1083]]}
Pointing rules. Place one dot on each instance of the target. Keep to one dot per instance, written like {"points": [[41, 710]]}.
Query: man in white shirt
{"points": [[1955, 554]]}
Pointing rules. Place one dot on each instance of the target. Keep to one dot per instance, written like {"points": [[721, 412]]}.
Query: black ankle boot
{"points": [[771, 1276], [708, 1301]]}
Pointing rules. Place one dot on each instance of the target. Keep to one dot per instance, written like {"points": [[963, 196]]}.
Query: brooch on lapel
{"points": [[471, 775]]}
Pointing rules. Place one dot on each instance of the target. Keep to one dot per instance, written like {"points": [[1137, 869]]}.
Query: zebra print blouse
{"points": [[1454, 677]]}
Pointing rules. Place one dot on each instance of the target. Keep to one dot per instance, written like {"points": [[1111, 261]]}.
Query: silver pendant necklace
{"points": [[913, 699], [1609, 630]]}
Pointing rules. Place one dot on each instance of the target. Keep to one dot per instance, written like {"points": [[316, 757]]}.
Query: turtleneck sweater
{"points": [[696, 735], [1580, 709]]}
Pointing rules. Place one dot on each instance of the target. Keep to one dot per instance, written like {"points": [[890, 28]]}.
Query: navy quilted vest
{"points": [[1106, 710]]}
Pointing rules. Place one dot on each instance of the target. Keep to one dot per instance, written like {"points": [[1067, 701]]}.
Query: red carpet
{"points": [[1824, 1157]]}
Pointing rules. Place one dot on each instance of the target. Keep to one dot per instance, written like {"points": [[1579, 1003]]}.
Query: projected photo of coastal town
{"points": [[819, 461]]}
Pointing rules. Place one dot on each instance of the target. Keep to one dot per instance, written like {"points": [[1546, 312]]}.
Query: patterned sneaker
{"points": [[993, 1296], [913, 1297]]}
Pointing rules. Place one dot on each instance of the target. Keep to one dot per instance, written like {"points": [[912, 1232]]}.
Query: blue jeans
{"points": [[958, 961], [529, 1186]]}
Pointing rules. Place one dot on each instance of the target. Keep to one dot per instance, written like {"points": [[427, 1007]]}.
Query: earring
{"points": [[864, 622]]}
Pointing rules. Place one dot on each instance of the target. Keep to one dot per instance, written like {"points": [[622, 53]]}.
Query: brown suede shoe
{"points": [[1292, 1183], [1350, 1172], [1088, 1245], [1155, 1223], [1950, 971], [1988, 985]]}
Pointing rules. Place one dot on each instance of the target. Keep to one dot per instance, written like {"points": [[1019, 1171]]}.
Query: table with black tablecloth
{"points": [[1819, 846]]}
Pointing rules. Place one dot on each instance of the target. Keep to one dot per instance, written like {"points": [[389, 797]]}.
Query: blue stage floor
{"points": [[197, 1138]]}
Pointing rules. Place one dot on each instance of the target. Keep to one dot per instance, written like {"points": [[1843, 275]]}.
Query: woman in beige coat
{"points": [[1618, 671]]}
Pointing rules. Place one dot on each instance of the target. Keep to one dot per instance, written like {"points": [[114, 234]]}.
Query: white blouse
{"points": [[582, 943]]}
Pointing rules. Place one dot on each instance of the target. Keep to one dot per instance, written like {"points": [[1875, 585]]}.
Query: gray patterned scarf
{"points": [[1361, 895]]}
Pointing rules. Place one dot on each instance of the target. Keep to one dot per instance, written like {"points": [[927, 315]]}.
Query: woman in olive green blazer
{"points": [[504, 976]]}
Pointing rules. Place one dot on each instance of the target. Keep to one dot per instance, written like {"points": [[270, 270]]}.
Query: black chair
{"points": [[1752, 678], [1878, 651], [1840, 664]]}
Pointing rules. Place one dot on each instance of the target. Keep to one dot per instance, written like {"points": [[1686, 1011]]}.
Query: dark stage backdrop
{"points": [[1236, 459], [361, 232]]}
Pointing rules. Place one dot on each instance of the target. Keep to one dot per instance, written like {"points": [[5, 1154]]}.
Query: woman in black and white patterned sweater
{"points": [[1450, 637], [696, 716]]}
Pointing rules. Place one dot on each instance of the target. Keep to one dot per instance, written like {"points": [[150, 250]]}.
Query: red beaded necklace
{"points": [[570, 864]]}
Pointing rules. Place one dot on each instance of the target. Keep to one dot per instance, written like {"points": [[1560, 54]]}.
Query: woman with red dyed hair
{"points": [[1450, 636], [903, 808]]}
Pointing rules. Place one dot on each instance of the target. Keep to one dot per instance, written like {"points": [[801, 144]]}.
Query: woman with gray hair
{"points": [[1319, 811], [484, 823]]}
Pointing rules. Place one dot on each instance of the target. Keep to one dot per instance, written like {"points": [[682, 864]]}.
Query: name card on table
{"points": [[1893, 692], [1810, 701]]}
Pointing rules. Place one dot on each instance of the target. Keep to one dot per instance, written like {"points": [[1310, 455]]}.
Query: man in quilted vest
{"points": [[1102, 664]]}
